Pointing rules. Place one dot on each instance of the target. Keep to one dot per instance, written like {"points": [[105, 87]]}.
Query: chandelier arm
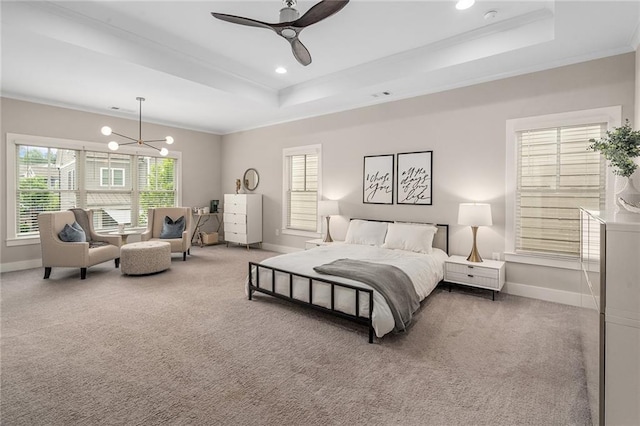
{"points": [[155, 140], [123, 136], [150, 146], [128, 143]]}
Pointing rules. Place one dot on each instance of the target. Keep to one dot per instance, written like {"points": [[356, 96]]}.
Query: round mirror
{"points": [[251, 179]]}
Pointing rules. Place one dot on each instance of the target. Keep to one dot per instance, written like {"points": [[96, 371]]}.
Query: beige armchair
{"points": [[154, 228], [58, 253]]}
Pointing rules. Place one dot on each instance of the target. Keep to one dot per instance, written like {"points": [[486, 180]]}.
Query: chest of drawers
{"points": [[242, 218]]}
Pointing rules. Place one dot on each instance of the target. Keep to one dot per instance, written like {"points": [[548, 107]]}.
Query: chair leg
{"points": [[117, 260], [83, 273], [47, 272], [189, 251], [184, 256]]}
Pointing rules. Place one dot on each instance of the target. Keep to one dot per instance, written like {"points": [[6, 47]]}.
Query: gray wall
{"points": [[201, 155], [465, 128]]}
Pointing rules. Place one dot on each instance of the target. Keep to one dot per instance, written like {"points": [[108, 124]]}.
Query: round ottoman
{"points": [[145, 257]]}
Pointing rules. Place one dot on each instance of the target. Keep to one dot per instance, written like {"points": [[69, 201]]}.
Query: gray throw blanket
{"points": [[83, 220], [391, 282]]}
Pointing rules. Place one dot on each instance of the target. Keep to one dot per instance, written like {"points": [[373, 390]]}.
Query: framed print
{"points": [[414, 177], [377, 179]]}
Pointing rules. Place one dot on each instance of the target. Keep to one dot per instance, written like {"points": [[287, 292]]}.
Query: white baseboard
{"points": [[19, 266], [280, 249], [549, 294]]}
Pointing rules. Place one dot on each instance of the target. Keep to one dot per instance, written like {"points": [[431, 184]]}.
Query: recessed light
{"points": [[281, 70], [464, 4]]}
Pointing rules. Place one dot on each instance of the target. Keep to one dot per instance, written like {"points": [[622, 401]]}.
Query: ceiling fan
{"points": [[291, 24]]}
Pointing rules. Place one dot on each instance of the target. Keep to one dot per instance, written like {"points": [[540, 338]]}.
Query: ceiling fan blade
{"points": [[241, 20], [299, 51], [320, 11]]}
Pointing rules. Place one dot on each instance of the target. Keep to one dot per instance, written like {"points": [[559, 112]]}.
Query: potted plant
{"points": [[620, 147]]}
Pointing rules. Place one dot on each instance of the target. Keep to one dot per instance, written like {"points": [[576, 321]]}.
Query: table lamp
{"points": [[328, 208], [474, 215]]}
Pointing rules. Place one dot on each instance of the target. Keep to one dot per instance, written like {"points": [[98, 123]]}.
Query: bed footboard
{"points": [[255, 285]]}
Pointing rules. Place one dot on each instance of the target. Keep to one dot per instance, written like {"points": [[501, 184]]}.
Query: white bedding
{"points": [[425, 271]]}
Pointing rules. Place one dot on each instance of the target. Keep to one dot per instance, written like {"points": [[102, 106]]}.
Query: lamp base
{"points": [[474, 256], [327, 238]]}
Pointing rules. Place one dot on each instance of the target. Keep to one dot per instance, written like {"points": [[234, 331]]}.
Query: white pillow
{"points": [[411, 237], [366, 232]]}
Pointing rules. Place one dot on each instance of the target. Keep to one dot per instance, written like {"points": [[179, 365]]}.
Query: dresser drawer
{"points": [[234, 237], [474, 280], [476, 271], [234, 218], [240, 228]]}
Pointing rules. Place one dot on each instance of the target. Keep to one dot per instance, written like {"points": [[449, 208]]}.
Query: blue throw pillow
{"points": [[172, 228], [72, 234]]}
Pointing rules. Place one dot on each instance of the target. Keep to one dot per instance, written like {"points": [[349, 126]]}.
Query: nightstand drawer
{"points": [[476, 271], [474, 280]]}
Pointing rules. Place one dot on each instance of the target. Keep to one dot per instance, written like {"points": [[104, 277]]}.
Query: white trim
{"points": [[549, 261], [611, 115], [21, 265], [25, 241], [298, 233], [546, 294], [280, 249]]}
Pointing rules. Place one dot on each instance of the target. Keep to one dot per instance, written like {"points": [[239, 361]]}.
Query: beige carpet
{"points": [[186, 347]]}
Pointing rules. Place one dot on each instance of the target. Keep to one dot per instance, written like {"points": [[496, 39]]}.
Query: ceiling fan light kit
{"points": [[291, 24], [113, 145]]}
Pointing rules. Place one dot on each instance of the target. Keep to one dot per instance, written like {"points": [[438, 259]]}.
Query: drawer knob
{"points": [[470, 276], [470, 267]]}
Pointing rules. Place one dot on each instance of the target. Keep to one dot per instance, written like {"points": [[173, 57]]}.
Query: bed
{"points": [[417, 250]]}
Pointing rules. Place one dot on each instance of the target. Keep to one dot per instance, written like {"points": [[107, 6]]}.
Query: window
{"points": [[301, 189], [49, 175], [111, 177], [554, 173]]}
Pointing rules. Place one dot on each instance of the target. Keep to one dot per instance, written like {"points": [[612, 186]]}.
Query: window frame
{"points": [[12, 142], [286, 174], [612, 116], [112, 177]]}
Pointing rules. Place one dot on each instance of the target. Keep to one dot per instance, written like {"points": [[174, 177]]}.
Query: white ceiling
{"points": [[201, 73]]}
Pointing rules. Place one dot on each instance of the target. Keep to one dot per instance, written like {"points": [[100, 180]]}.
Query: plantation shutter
{"points": [[302, 197], [557, 174]]}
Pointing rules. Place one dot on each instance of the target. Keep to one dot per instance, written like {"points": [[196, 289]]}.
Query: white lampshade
{"points": [[169, 140], [328, 207], [113, 145], [164, 151], [474, 214], [106, 130]]}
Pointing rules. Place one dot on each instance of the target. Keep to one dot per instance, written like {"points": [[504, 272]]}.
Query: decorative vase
{"points": [[628, 197]]}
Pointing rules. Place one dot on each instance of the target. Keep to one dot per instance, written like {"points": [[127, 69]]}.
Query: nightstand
{"points": [[488, 274]]}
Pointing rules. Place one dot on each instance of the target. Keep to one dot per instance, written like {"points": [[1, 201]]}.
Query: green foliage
{"points": [[35, 197], [619, 147], [160, 187]]}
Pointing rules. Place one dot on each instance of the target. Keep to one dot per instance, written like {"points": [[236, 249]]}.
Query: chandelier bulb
{"points": [[113, 145], [169, 140], [106, 130], [164, 152]]}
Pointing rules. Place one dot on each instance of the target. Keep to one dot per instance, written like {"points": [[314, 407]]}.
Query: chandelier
{"points": [[113, 145]]}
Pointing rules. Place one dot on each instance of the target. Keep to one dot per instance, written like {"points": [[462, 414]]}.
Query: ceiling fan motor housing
{"points": [[288, 14]]}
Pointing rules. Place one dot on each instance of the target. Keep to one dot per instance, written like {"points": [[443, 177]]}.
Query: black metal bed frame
{"points": [[358, 291], [355, 318]]}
